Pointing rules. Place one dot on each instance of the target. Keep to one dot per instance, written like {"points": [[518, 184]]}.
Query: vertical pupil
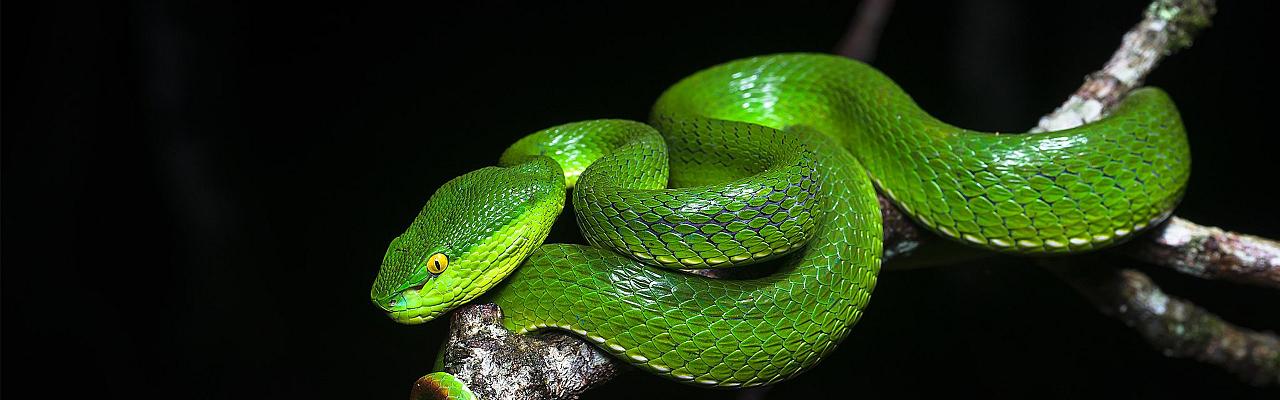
{"points": [[436, 264]]}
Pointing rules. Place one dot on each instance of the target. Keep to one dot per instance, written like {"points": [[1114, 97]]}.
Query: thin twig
{"points": [[1175, 326], [1167, 27], [859, 41], [1211, 253]]}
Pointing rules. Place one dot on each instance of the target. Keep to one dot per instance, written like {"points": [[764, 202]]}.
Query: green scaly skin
{"points": [[443, 386], [769, 158]]}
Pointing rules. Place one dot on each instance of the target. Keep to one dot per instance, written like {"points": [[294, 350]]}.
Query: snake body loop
{"points": [[768, 158]]}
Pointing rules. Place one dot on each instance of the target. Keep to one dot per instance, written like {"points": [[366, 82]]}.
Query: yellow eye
{"points": [[437, 263]]}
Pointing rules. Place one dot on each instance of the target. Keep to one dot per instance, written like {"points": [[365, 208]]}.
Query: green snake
{"points": [[767, 158]]}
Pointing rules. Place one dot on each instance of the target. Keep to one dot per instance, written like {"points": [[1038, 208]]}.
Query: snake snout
{"points": [[395, 303], [409, 306], [405, 299]]}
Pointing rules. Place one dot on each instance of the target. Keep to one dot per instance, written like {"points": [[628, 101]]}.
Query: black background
{"points": [[197, 196]]}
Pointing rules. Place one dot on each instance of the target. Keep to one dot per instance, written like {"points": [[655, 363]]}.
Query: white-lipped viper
{"points": [[773, 157]]}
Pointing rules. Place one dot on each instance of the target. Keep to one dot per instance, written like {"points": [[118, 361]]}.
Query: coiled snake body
{"points": [[773, 157]]}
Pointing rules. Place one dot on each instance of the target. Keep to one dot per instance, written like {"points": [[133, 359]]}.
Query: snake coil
{"points": [[766, 159]]}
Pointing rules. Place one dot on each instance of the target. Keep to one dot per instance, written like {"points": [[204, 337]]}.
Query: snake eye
{"points": [[437, 263]]}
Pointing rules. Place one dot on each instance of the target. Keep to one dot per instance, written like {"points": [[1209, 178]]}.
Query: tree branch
{"points": [[1175, 326], [1211, 253], [1167, 27], [859, 41], [498, 364]]}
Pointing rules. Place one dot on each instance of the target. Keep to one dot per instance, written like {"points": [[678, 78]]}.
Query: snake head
{"points": [[469, 236]]}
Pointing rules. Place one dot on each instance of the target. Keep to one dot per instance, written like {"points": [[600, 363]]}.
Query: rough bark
{"points": [[1211, 253], [498, 364], [1175, 326], [1167, 27]]}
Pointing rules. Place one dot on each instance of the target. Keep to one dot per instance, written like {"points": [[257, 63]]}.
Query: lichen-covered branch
{"points": [[498, 364], [1209, 252], [1167, 27], [1175, 326]]}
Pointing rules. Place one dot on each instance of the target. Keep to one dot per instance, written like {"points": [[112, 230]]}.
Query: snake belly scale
{"points": [[766, 159]]}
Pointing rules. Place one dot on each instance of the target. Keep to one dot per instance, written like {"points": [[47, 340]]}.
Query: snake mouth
{"points": [[407, 307]]}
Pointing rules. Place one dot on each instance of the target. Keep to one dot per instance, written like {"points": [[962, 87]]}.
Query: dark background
{"points": [[197, 196]]}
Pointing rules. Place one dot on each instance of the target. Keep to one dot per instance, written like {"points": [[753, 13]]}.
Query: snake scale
{"points": [[767, 158]]}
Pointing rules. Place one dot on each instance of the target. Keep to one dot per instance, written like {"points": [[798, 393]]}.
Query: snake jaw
{"points": [[415, 304], [470, 276], [407, 307]]}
